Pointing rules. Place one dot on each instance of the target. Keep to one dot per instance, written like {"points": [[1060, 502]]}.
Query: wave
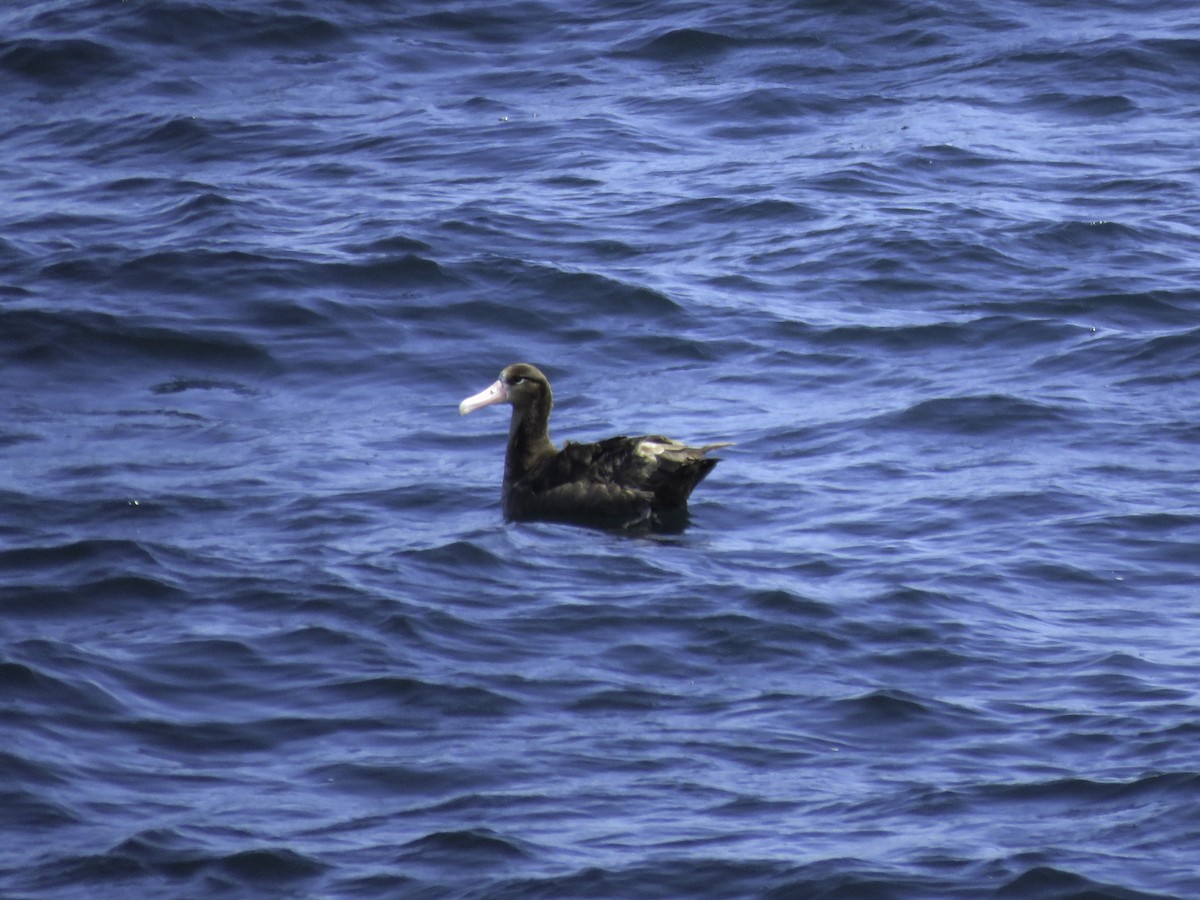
{"points": [[172, 860], [1178, 785], [1134, 358], [549, 289], [86, 339], [1090, 105], [63, 63], [978, 415], [682, 45], [221, 27], [477, 845], [1052, 883]]}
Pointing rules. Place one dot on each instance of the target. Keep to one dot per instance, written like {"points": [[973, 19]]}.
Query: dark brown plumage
{"points": [[620, 480]]}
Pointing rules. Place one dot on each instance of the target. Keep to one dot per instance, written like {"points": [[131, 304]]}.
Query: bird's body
{"points": [[618, 480]]}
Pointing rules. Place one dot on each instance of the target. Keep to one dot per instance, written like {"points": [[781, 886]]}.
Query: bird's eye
{"points": [[520, 379]]}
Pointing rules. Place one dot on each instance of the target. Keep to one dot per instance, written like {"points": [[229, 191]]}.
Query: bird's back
{"points": [[621, 477]]}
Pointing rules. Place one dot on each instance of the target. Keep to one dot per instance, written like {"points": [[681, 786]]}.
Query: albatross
{"points": [[625, 480]]}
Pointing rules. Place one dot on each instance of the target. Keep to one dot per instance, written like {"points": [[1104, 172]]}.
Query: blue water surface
{"points": [[932, 629]]}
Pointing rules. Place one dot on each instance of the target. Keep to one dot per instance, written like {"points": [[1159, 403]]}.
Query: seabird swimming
{"points": [[619, 480]]}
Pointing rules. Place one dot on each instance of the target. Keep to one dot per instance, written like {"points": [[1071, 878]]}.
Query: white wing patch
{"points": [[653, 449]]}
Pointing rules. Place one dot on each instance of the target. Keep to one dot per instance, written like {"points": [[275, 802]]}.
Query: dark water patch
{"points": [[397, 273], [1124, 686], [1124, 662], [413, 782], [892, 714], [174, 88], [1136, 188], [217, 739], [20, 769], [220, 664], [1123, 310], [748, 640], [740, 284], [1163, 525], [100, 597], [1179, 352], [13, 438], [620, 700], [781, 602], [758, 114], [1086, 106], [1049, 883], [1088, 235], [489, 26], [1126, 62], [24, 810], [916, 634], [908, 600], [574, 183], [757, 210], [705, 878], [684, 213], [676, 349], [1176, 49], [1134, 359], [1088, 735], [977, 415], [681, 45], [302, 317], [12, 258], [927, 659], [62, 63], [118, 874], [411, 693], [1097, 581], [81, 270], [386, 884], [462, 553], [37, 337], [76, 510], [200, 208], [994, 332], [1151, 380], [550, 289], [179, 385], [58, 223], [1154, 543], [165, 851], [270, 865], [191, 137], [31, 688], [162, 857], [608, 249], [214, 29], [949, 156], [753, 807], [476, 846], [199, 141], [79, 557], [862, 179], [907, 261], [153, 188], [308, 640], [392, 246], [1049, 505]]}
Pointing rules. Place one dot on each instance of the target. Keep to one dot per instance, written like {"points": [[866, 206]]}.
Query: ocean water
{"points": [[933, 629]]}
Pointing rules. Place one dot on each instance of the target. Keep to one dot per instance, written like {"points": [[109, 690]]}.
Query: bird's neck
{"points": [[528, 441]]}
